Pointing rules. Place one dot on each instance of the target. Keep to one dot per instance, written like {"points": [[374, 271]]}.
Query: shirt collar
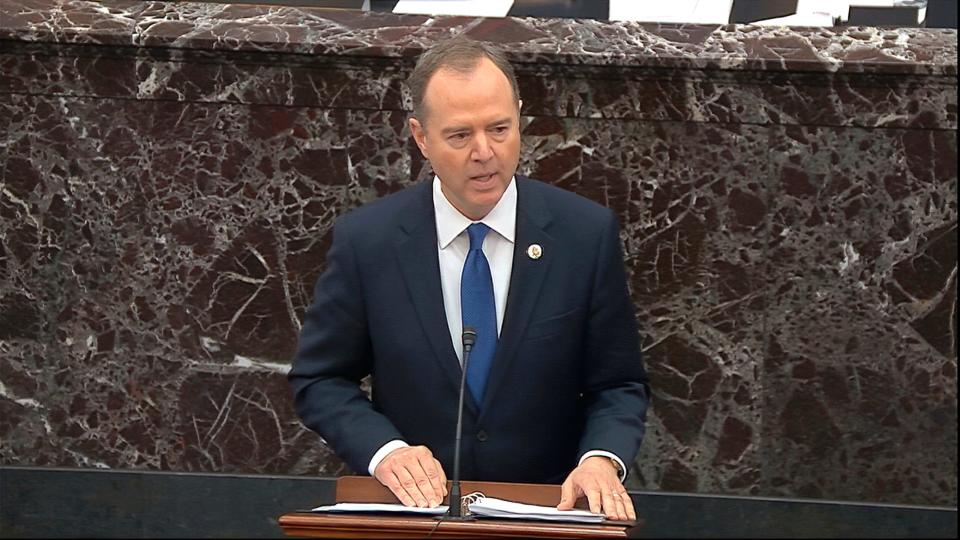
{"points": [[450, 222]]}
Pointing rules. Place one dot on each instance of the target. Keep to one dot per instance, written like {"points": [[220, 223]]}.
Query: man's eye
{"points": [[458, 136]]}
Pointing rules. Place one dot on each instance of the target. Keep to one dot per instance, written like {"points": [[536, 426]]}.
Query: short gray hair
{"points": [[460, 54]]}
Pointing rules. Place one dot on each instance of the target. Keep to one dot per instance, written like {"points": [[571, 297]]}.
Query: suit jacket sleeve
{"points": [[615, 386], [333, 356]]}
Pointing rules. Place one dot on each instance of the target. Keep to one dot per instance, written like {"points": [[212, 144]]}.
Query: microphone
{"points": [[469, 337]]}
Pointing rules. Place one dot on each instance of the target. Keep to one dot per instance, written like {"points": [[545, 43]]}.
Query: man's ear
{"points": [[419, 136]]}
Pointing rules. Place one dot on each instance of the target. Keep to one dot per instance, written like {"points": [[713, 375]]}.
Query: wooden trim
{"points": [[366, 526]]}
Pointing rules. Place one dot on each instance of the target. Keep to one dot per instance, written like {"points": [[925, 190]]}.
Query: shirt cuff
{"points": [[382, 453], [604, 453]]}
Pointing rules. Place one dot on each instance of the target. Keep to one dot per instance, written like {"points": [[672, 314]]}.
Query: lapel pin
{"points": [[534, 251]]}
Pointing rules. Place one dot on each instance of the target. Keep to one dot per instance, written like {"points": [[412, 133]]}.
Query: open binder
{"points": [[478, 505]]}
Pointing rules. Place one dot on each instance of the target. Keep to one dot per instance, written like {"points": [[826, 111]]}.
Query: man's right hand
{"points": [[414, 476]]}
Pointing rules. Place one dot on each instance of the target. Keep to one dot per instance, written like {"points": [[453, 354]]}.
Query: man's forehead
{"points": [[481, 95], [461, 70], [455, 117], [483, 66]]}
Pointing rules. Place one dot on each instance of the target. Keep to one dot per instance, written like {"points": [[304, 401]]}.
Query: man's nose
{"points": [[482, 151]]}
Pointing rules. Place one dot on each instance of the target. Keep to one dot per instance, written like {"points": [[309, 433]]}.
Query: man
{"points": [[557, 388]]}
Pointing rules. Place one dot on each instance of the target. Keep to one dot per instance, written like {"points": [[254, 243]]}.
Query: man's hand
{"points": [[597, 478], [414, 476]]}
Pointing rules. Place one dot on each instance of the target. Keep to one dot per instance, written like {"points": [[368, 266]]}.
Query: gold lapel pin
{"points": [[534, 251]]}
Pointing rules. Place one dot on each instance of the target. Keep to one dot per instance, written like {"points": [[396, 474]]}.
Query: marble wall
{"points": [[170, 172]]}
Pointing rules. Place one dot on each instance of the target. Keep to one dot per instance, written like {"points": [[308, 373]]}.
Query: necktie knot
{"points": [[477, 232]]}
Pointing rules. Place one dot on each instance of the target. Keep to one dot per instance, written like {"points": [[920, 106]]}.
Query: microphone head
{"points": [[469, 336]]}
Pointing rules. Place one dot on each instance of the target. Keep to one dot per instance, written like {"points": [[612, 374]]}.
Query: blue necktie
{"points": [[478, 310]]}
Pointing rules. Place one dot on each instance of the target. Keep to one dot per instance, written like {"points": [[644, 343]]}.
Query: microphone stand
{"points": [[455, 512]]}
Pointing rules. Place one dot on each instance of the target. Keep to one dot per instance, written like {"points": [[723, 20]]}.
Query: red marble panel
{"points": [[169, 174]]}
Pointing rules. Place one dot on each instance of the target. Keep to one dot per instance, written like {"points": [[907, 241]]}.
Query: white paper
{"points": [[470, 8], [484, 507], [674, 11], [491, 507], [379, 507]]}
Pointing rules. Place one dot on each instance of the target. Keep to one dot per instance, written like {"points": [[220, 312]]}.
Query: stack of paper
{"points": [[482, 507], [377, 507], [499, 508]]}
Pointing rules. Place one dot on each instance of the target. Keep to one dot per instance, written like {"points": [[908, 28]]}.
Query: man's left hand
{"points": [[597, 479]]}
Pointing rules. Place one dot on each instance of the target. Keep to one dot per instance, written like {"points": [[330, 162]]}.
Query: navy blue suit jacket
{"points": [[567, 376]]}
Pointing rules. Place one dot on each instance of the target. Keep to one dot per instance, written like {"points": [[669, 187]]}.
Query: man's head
{"points": [[466, 121]]}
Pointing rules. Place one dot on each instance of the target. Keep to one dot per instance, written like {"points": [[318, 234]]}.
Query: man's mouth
{"points": [[483, 177]]}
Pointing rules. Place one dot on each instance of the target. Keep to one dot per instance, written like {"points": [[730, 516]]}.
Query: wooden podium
{"points": [[367, 489]]}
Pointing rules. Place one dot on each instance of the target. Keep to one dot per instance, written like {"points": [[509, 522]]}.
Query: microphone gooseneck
{"points": [[469, 337]]}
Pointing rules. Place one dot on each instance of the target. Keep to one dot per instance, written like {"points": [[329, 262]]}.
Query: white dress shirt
{"points": [[453, 243]]}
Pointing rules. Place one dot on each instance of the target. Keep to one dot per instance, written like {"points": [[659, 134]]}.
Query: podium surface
{"points": [[366, 489]]}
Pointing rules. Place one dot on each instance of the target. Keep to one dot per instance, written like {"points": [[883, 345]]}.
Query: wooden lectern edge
{"points": [[379, 526], [369, 490]]}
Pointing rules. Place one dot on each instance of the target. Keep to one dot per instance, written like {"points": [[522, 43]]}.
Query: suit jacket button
{"points": [[482, 436]]}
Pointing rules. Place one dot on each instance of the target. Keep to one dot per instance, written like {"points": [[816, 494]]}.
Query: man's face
{"points": [[471, 135]]}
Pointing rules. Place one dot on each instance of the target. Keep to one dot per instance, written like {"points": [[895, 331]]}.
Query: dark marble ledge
{"points": [[185, 25], [197, 76], [44, 53], [54, 502]]}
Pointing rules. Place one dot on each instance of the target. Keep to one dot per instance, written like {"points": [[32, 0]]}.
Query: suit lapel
{"points": [[526, 280], [417, 251]]}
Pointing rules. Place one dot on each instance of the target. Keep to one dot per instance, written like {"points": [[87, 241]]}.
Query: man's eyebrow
{"points": [[454, 129]]}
